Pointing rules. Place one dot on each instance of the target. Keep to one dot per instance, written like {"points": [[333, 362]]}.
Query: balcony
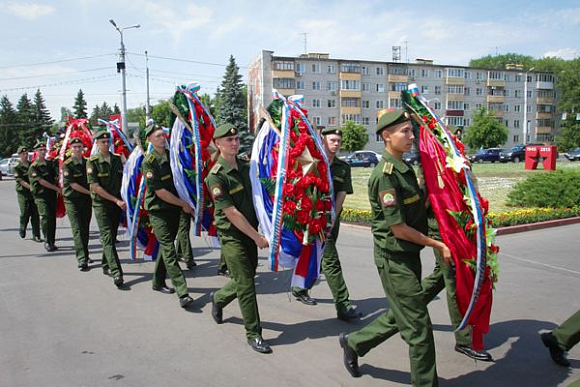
{"points": [[545, 101], [397, 78], [394, 94], [497, 113], [350, 93], [454, 81], [545, 85], [283, 73], [454, 113], [543, 130], [495, 82], [543, 116], [350, 76], [286, 92], [495, 99], [350, 110], [455, 97]]}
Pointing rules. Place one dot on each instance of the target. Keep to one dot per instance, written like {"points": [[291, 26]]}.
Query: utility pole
{"points": [[147, 106], [122, 69], [526, 105]]}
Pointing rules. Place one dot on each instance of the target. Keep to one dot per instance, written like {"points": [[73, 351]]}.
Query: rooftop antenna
{"points": [[396, 53], [305, 42]]}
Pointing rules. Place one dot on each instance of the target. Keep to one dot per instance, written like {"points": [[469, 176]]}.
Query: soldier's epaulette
{"points": [[68, 161], [150, 158], [388, 168], [94, 158], [215, 169]]}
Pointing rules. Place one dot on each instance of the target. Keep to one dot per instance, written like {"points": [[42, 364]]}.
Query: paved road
{"points": [[61, 327]]}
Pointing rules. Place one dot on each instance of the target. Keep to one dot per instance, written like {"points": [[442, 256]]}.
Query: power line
{"points": [[84, 80], [187, 60], [58, 61], [48, 75]]}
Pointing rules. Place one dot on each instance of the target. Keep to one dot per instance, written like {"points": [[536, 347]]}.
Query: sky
{"points": [[62, 46]]}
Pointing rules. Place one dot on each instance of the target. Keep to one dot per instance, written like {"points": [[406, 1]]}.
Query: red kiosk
{"points": [[545, 154]]}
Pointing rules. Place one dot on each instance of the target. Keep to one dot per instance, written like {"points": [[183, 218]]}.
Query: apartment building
{"points": [[337, 90]]}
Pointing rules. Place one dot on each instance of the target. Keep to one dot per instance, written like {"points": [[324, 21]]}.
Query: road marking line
{"points": [[541, 264]]}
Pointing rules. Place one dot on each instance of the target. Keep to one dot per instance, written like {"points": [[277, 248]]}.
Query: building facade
{"points": [[337, 90]]}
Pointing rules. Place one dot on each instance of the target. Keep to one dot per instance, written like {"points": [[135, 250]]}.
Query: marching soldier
{"points": [[165, 209], [340, 171], [562, 339], [26, 203], [399, 228], [77, 201], [104, 175], [236, 223], [183, 248], [43, 179]]}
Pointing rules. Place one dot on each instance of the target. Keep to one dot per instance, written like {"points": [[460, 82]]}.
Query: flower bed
{"points": [[498, 219]]}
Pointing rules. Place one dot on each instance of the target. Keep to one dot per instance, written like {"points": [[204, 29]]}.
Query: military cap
{"points": [[102, 134], [75, 140], [391, 117], [21, 149], [326, 131], [39, 144], [152, 128], [225, 130]]}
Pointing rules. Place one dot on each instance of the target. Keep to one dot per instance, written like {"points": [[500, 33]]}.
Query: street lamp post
{"points": [[121, 68], [526, 105]]}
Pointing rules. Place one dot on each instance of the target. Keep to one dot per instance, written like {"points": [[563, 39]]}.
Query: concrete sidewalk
{"points": [[62, 327]]}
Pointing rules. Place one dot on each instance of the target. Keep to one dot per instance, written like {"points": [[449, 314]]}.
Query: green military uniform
{"points": [[231, 187], [396, 198], [28, 210], [342, 182], [78, 205], [164, 218], [568, 333], [107, 171], [183, 243], [45, 198]]}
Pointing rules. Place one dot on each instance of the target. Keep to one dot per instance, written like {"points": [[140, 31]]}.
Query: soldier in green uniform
{"points": [[77, 201], [183, 243], [104, 175], [236, 223], [26, 203], [399, 228], [165, 208], [562, 339], [43, 182], [340, 171]]}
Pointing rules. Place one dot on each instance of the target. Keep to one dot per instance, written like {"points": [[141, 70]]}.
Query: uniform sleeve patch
{"points": [[33, 174], [65, 173], [216, 191], [388, 198], [149, 175], [89, 171]]}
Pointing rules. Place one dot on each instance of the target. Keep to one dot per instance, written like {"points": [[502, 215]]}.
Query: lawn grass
{"points": [[494, 181]]}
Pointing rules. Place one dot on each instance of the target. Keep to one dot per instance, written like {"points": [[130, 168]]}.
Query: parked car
{"points": [[573, 155], [489, 154], [412, 157], [4, 163], [515, 154], [362, 159]]}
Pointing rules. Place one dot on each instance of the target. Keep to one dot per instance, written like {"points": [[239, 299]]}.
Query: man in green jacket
{"points": [[28, 210]]}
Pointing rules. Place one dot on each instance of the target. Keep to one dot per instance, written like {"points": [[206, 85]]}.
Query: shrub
{"points": [[558, 189]]}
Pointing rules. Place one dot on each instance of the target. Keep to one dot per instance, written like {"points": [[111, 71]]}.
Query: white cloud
{"points": [[28, 11], [223, 29], [564, 53], [180, 19]]}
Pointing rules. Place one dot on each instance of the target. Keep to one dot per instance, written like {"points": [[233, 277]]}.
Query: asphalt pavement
{"points": [[61, 327]]}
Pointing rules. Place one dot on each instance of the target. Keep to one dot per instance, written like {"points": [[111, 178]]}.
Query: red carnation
{"points": [[289, 207], [302, 217], [319, 205], [315, 227], [288, 189], [306, 203]]}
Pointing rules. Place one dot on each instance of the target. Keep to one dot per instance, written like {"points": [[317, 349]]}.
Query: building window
{"points": [[437, 105], [332, 85], [455, 89], [518, 78], [425, 73], [284, 83], [315, 68], [315, 85], [366, 104], [366, 86], [411, 72], [424, 89], [396, 103], [366, 121], [506, 77], [465, 106], [517, 93], [478, 91], [398, 86], [466, 121], [331, 103], [380, 71], [516, 138], [380, 87], [455, 121], [478, 106], [331, 121], [284, 65], [516, 124], [507, 123], [396, 70], [317, 121], [349, 68], [455, 105], [517, 108], [350, 102], [331, 69], [455, 73], [347, 84], [300, 85], [300, 68], [364, 70], [438, 74], [351, 117], [495, 75], [380, 104], [529, 93], [438, 89], [378, 137], [479, 76], [506, 92], [506, 108], [467, 91], [468, 75], [316, 103]]}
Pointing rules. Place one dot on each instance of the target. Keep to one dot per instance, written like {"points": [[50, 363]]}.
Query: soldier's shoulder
{"points": [[94, 158], [150, 158], [215, 169], [387, 168], [68, 161]]}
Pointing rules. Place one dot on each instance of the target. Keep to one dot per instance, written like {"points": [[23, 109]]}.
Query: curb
{"points": [[505, 230]]}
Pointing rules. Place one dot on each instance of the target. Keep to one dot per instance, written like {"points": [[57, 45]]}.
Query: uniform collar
{"points": [[162, 158], [400, 165], [102, 158], [225, 165]]}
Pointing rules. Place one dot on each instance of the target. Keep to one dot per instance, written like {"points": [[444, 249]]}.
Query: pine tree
{"points": [[42, 119], [65, 113], [26, 124], [116, 109], [80, 106], [95, 115], [106, 111], [232, 101], [8, 127]]}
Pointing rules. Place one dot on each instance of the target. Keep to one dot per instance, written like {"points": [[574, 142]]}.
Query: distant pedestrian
{"points": [[28, 210]]}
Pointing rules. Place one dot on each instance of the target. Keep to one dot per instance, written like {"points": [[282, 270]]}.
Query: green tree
{"points": [[8, 127], [26, 121], [116, 109], [41, 115], [232, 101], [95, 115], [80, 106], [354, 136], [485, 131], [136, 115], [569, 85], [65, 113], [209, 103], [569, 136], [500, 62], [161, 113]]}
